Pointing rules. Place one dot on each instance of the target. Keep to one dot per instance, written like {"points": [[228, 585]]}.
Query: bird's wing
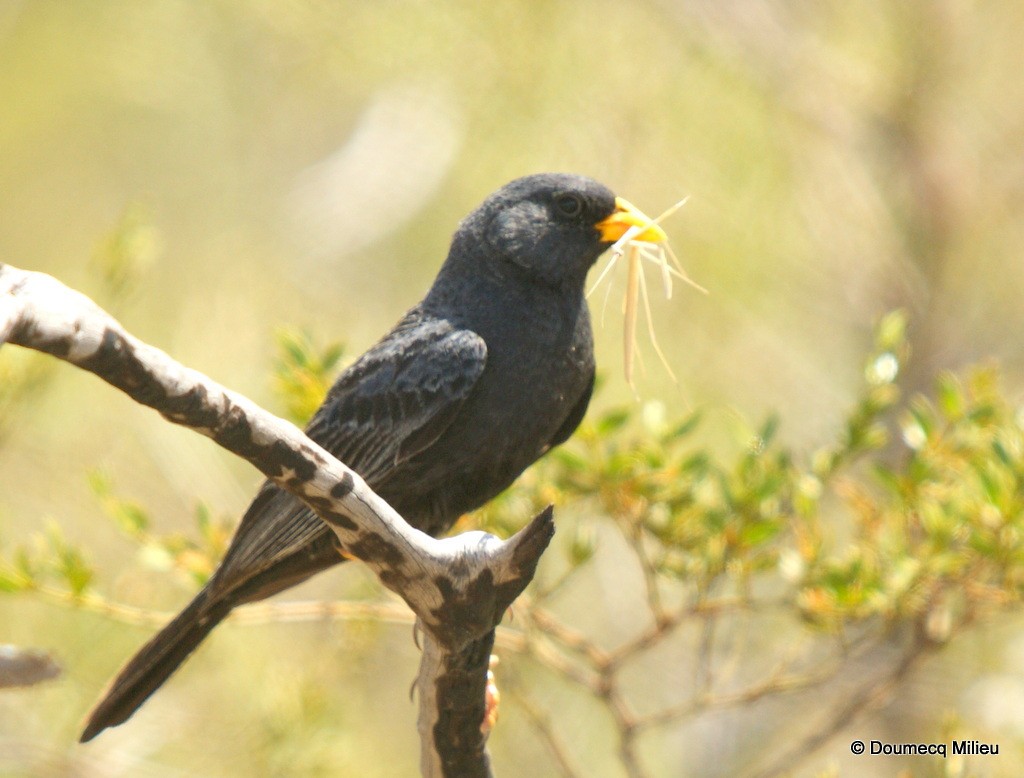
{"points": [[390, 404], [399, 397]]}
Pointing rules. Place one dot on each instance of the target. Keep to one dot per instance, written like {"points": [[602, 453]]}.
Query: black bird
{"points": [[493, 368]]}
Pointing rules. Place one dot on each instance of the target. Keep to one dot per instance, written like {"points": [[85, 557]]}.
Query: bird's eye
{"points": [[569, 205]]}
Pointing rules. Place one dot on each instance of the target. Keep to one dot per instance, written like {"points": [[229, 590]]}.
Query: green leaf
{"points": [[332, 356], [76, 572], [131, 517], [683, 429], [584, 544], [612, 421], [127, 251], [204, 519], [1001, 453], [100, 482], [25, 565], [570, 460], [696, 464], [950, 396], [768, 430], [758, 532], [891, 332], [302, 372], [12, 581]]}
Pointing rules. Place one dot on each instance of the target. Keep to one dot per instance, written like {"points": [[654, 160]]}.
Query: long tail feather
{"points": [[160, 657], [154, 664]]}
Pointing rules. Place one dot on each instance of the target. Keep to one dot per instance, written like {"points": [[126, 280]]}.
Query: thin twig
{"points": [[705, 656], [636, 540], [846, 714], [542, 724], [538, 647], [567, 637]]}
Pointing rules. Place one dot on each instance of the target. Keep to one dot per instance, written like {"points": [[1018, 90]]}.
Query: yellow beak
{"points": [[625, 216]]}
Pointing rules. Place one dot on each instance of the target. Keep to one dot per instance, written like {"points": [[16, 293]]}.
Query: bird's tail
{"points": [[228, 588], [154, 663]]}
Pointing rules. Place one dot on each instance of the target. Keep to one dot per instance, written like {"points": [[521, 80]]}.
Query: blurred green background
{"points": [[213, 171]]}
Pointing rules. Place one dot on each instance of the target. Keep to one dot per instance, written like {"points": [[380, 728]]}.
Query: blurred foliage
{"points": [[46, 556], [928, 536], [23, 375], [303, 373], [49, 560], [123, 256], [197, 557], [937, 518]]}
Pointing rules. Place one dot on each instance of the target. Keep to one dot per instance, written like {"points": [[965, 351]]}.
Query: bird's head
{"points": [[549, 228]]}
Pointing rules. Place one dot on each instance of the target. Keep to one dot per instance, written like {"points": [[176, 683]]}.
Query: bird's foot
{"points": [[492, 697]]}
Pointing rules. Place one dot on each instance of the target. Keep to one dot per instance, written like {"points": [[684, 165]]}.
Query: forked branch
{"points": [[458, 587]]}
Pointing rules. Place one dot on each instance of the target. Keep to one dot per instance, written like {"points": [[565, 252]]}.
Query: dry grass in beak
{"points": [[636, 251]]}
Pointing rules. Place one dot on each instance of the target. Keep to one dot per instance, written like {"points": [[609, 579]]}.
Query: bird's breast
{"points": [[539, 363]]}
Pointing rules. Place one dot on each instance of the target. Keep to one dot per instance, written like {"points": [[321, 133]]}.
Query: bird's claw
{"points": [[492, 697]]}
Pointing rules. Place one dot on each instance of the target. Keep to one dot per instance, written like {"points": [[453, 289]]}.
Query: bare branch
{"points": [[25, 667], [390, 611]]}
